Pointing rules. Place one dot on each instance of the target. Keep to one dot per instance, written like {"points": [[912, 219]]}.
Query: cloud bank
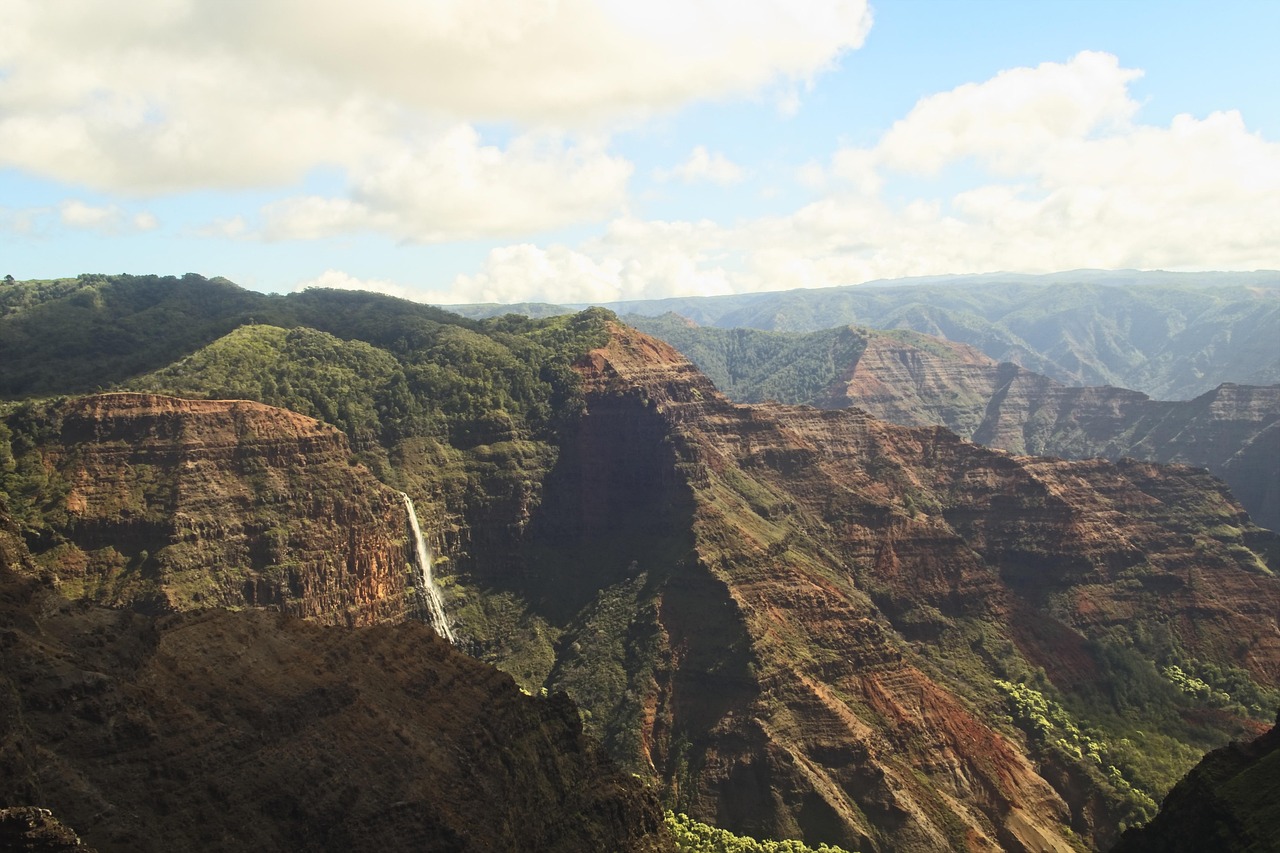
{"points": [[1066, 178], [167, 96]]}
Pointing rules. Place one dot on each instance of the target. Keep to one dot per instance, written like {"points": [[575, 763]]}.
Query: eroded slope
{"points": [[160, 503], [257, 731], [828, 659]]}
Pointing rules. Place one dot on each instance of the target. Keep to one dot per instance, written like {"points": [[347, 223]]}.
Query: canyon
{"points": [[787, 621], [914, 379], [826, 654], [168, 726]]}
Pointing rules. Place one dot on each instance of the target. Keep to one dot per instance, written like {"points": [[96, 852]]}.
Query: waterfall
{"points": [[428, 594]]}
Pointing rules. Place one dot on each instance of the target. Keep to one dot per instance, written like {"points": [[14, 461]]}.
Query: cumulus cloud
{"points": [[1066, 177], [159, 96], [108, 219], [635, 259], [1008, 121], [453, 186], [704, 166]]}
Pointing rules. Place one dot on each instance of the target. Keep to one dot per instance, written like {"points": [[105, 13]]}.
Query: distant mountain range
{"points": [[910, 378], [1172, 336]]}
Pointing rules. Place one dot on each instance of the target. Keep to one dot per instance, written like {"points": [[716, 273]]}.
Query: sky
{"points": [[574, 151]]}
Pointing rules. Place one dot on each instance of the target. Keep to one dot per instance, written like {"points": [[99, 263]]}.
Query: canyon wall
{"points": [[160, 504], [1233, 430], [218, 730], [822, 658]]}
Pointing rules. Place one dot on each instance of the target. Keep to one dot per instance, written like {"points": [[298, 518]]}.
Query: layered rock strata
{"points": [[1233, 430], [161, 504], [793, 691]]}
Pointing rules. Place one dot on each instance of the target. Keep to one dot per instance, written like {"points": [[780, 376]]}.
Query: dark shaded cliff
{"points": [[159, 503], [1230, 803], [229, 731]]}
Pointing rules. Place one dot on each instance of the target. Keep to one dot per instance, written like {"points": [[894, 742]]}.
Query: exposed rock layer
{"points": [[162, 504], [791, 693], [1233, 430]]}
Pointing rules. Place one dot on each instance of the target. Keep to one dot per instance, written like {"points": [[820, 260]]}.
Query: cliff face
{"points": [[1230, 802], [1233, 430], [258, 731], [160, 504], [822, 659]]}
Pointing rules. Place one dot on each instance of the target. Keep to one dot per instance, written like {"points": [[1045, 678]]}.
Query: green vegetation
{"points": [[97, 332], [1170, 335], [1050, 726], [503, 378], [752, 366], [694, 837], [1222, 686], [72, 336]]}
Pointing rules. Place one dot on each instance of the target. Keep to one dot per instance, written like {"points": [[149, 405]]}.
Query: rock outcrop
{"points": [[820, 659], [159, 504], [26, 829]]}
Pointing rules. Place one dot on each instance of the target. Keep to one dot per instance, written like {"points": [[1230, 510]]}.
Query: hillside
{"points": [[256, 731], [888, 594], [914, 379], [1230, 802]]}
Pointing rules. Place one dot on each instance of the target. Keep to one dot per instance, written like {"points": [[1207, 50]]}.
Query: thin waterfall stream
{"points": [[428, 592]]}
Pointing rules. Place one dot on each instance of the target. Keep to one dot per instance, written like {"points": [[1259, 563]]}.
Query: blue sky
{"points": [[572, 151]]}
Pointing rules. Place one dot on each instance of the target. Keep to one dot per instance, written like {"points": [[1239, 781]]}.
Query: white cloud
{"points": [[1059, 175], [24, 222], [633, 260], [452, 186], [108, 219], [704, 166], [1008, 121], [230, 228], [159, 96]]}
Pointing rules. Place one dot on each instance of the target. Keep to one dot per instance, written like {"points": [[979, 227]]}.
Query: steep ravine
{"points": [[819, 660], [796, 622]]}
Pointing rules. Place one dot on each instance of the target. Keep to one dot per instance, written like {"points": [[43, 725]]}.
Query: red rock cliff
{"points": [[164, 504], [800, 690]]}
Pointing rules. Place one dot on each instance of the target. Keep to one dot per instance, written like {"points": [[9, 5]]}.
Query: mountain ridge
{"points": [[914, 379], [1170, 335]]}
